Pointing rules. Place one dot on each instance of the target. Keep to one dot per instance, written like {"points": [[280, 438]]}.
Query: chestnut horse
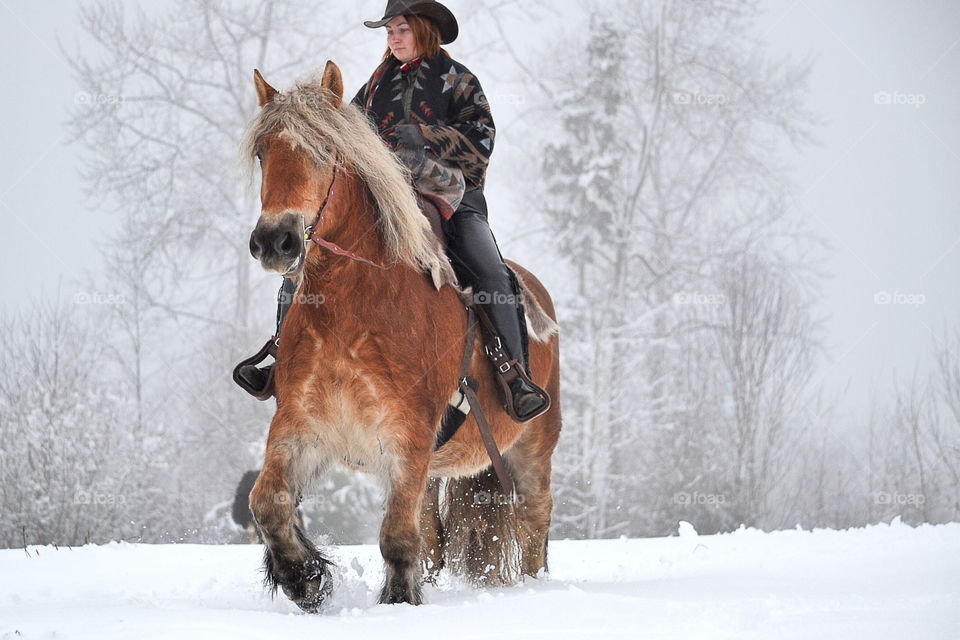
{"points": [[369, 358]]}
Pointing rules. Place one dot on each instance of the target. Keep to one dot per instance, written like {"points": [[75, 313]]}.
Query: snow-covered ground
{"points": [[887, 581]]}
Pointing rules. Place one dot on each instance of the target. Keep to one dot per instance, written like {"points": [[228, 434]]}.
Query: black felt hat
{"points": [[441, 16]]}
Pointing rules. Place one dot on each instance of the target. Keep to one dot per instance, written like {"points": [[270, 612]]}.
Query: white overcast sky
{"points": [[883, 187]]}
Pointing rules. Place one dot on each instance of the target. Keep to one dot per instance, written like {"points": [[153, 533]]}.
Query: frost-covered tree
{"points": [[70, 468], [663, 176]]}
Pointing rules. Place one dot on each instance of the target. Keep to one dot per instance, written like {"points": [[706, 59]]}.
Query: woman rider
{"points": [[432, 111]]}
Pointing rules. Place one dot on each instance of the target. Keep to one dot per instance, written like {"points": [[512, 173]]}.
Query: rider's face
{"points": [[400, 40]]}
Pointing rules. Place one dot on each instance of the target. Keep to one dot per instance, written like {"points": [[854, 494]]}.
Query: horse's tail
{"points": [[480, 531]]}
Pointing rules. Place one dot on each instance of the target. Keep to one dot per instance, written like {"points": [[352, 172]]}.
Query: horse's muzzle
{"points": [[279, 245]]}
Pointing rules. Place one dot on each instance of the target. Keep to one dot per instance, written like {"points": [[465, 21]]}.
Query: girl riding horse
{"points": [[432, 111], [363, 378]]}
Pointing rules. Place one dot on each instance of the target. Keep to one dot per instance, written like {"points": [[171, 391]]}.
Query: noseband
{"points": [[309, 233]]}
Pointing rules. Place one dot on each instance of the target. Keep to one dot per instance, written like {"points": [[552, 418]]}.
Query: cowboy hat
{"points": [[441, 16]]}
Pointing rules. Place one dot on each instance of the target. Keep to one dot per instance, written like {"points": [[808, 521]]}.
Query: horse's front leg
{"points": [[400, 539], [291, 561]]}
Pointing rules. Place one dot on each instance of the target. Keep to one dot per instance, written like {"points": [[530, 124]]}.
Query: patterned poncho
{"points": [[445, 101]]}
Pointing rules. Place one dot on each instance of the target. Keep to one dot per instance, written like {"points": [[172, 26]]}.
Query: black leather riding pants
{"points": [[479, 264]]}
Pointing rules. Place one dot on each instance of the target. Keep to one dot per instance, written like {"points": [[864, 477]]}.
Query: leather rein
{"points": [[309, 233]]}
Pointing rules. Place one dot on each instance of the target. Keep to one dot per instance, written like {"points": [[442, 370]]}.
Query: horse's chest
{"points": [[350, 415]]}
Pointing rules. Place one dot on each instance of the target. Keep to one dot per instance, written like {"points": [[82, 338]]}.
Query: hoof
{"points": [[311, 592], [400, 593], [306, 584]]}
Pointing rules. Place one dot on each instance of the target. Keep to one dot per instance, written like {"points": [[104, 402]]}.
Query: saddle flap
{"points": [[431, 211]]}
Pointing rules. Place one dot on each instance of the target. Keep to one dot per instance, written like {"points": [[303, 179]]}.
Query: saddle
{"points": [[432, 213]]}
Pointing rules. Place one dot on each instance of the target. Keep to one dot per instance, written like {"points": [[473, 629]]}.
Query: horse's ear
{"points": [[265, 93], [333, 82]]}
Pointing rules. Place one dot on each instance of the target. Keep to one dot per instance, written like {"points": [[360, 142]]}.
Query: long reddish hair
{"points": [[426, 35]]}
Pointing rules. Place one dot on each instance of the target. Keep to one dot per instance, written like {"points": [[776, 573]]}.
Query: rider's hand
{"points": [[409, 136]]}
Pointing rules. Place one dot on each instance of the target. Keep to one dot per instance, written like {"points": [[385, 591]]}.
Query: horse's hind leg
{"points": [[529, 462], [291, 561], [400, 540], [431, 529]]}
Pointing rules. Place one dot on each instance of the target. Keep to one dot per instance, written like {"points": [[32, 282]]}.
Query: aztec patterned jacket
{"points": [[444, 103]]}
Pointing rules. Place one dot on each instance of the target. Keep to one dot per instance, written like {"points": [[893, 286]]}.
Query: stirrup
{"points": [[509, 370], [269, 349], [504, 378]]}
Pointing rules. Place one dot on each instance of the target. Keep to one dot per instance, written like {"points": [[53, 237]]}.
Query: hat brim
{"points": [[441, 16]]}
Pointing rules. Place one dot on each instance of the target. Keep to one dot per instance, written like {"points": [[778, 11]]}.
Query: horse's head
{"points": [[315, 151], [297, 171]]}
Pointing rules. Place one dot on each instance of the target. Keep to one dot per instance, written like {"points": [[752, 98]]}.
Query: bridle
{"points": [[310, 235]]}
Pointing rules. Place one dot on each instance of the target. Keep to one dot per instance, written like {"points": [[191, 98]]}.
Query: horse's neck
{"points": [[351, 223]]}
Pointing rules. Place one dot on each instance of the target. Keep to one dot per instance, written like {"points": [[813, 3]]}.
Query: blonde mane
{"points": [[307, 117]]}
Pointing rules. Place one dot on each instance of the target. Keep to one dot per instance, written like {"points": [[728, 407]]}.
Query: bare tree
{"points": [[914, 416], [945, 435], [765, 342], [165, 103], [913, 450]]}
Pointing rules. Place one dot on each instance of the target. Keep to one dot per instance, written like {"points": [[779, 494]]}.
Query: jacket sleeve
{"points": [[466, 140], [360, 98]]}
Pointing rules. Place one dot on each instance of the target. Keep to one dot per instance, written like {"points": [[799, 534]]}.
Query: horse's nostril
{"points": [[286, 244], [255, 249], [272, 245]]}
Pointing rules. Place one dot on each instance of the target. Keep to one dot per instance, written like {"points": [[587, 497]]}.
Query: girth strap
{"points": [[448, 429], [483, 426], [486, 434]]}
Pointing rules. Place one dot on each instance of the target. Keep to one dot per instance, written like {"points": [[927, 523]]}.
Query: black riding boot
{"points": [[257, 379], [509, 332], [479, 264]]}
